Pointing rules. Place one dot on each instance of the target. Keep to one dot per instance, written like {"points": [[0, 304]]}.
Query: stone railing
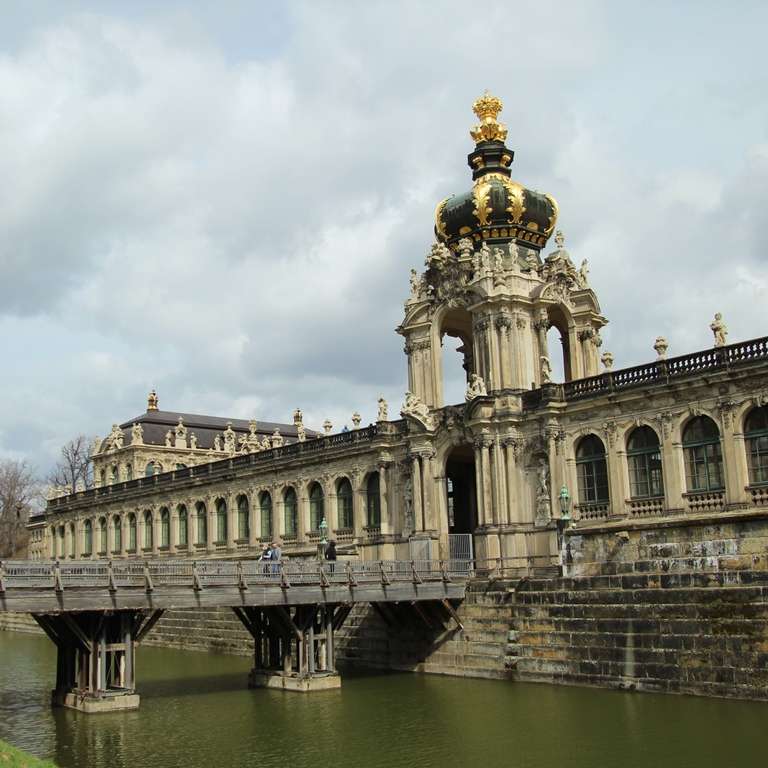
{"points": [[224, 467], [658, 372], [705, 501], [646, 507], [593, 511], [758, 494]]}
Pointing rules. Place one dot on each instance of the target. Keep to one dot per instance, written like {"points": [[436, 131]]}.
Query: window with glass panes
{"points": [[202, 523], [644, 459], [703, 455], [221, 521], [243, 521], [183, 526], [756, 436], [344, 504], [316, 507], [265, 508], [592, 470], [373, 501], [289, 504]]}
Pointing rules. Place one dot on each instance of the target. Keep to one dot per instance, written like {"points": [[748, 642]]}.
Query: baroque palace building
{"points": [[681, 439]]}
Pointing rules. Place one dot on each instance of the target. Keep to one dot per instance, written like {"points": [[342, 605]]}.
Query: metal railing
{"points": [[201, 574]]}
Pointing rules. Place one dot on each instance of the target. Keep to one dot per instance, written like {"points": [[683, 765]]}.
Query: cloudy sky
{"points": [[222, 200]]}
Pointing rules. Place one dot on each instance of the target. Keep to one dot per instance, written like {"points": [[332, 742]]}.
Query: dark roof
{"points": [[156, 423]]}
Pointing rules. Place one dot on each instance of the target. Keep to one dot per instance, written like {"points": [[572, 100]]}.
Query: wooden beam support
{"points": [[150, 622]]}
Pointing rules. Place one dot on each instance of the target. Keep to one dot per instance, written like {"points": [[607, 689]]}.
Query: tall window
{"points": [[756, 435], [703, 455], [103, 536], [644, 456], [117, 535], [265, 508], [131, 532], [202, 523], [344, 503], [316, 507], [147, 543], [373, 500], [291, 514], [221, 521], [592, 470], [183, 526], [165, 528], [87, 538], [243, 514], [114, 475], [129, 471]]}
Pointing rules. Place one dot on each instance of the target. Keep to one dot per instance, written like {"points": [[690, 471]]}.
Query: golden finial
{"points": [[152, 401], [487, 109]]}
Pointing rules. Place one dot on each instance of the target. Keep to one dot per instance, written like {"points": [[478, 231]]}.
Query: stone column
{"points": [[542, 326], [123, 533], [428, 488], [419, 522], [735, 472], [503, 325], [359, 511], [210, 513], [233, 521], [278, 514], [485, 451], [513, 514], [479, 492], [331, 512], [386, 524], [500, 515], [173, 536], [155, 531], [303, 523], [254, 520], [615, 456]]}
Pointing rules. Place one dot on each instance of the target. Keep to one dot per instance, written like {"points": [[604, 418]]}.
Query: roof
{"points": [[155, 424]]}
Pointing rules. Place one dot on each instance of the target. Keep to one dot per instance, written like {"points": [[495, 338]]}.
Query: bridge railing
{"points": [[202, 574]]}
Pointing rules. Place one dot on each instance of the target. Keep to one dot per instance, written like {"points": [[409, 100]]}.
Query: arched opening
{"points": [[592, 471], [291, 513], [131, 532], [243, 518], [87, 538], [457, 354], [148, 532], [316, 507], [221, 521], [117, 535], [102, 536], [265, 508], [344, 521], [165, 528], [201, 520], [373, 501], [183, 525], [644, 457], [461, 491], [703, 455], [558, 344], [756, 436]]}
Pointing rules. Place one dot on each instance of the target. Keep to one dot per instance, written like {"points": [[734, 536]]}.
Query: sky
{"points": [[222, 200]]}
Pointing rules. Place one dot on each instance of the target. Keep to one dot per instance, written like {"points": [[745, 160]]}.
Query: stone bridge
{"points": [[96, 612]]}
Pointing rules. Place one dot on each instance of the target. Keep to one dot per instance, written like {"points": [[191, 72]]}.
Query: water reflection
{"points": [[196, 711]]}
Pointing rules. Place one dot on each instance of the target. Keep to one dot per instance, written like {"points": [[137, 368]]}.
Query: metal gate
{"points": [[460, 546]]}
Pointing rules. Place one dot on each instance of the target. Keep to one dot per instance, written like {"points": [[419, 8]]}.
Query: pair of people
{"points": [[272, 553]]}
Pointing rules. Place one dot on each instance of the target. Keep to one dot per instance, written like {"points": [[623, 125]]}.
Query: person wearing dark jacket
{"points": [[330, 551]]}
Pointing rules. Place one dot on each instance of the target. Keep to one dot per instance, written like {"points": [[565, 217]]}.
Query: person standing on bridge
{"points": [[331, 555], [277, 555]]}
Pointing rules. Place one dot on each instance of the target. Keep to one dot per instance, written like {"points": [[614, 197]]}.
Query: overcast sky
{"points": [[222, 200]]}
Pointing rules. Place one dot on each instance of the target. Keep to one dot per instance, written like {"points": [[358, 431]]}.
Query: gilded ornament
{"points": [[481, 195], [487, 109], [516, 207], [439, 223], [553, 216]]}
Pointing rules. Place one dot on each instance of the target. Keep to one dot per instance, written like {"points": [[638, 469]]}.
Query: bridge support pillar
{"points": [[96, 657], [294, 646]]}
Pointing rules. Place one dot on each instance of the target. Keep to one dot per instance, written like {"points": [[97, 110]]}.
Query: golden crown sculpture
{"points": [[487, 109]]}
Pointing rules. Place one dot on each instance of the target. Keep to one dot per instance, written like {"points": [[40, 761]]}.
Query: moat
{"points": [[196, 711]]}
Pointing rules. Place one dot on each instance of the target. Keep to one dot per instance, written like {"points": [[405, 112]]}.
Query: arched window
{"points": [[756, 435], [103, 536], [265, 508], [243, 515], [117, 535], [221, 521], [703, 455], [147, 543], [165, 528], [87, 538], [291, 516], [344, 504], [373, 501], [316, 507], [644, 457], [592, 470], [131, 532], [201, 516], [129, 471], [183, 526]]}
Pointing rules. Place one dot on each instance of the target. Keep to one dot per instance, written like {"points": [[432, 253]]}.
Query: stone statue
{"points": [[137, 434], [301, 433], [476, 387], [266, 443], [382, 416], [466, 248], [438, 255], [559, 239], [498, 266], [356, 419], [543, 504], [415, 284], [583, 278], [277, 439], [485, 259], [217, 443], [169, 439], [513, 252], [546, 370], [607, 360], [532, 261], [181, 434], [720, 329], [408, 505], [152, 401], [229, 438], [327, 426], [192, 440], [661, 346], [116, 437]]}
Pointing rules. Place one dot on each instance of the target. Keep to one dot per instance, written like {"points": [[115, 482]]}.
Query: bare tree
{"points": [[19, 491], [74, 469]]}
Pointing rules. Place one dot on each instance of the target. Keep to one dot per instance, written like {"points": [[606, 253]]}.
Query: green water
{"points": [[196, 711]]}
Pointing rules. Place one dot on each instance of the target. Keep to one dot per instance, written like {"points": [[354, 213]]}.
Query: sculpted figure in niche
{"points": [[485, 259], [543, 506], [546, 370], [137, 434], [476, 387], [217, 443], [408, 505], [513, 252], [116, 437], [720, 329], [229, 438], [169, 439], [382, 416]]}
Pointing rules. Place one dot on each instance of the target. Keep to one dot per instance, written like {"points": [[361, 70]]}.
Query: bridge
{"points": [[97, 612]]}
